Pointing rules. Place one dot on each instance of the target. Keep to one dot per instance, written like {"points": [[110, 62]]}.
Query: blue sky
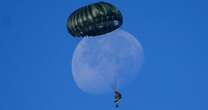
{"points": [[36, 52]]}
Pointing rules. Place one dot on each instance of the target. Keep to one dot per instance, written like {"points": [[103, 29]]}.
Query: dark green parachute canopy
{"points": [[94, 19]]}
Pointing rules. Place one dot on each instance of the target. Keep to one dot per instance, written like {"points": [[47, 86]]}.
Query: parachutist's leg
{"points": [[117, 103]]}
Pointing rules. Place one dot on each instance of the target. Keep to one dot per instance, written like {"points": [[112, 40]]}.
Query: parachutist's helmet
{"points": [[94, 19]]}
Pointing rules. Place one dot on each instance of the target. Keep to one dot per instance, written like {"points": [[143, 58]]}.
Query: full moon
{"points": [[107, 62]]}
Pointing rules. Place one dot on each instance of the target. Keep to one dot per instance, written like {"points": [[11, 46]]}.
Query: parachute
{"points": [[94, 19]]}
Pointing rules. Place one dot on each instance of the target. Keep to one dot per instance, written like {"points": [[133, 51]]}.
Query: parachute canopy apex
{"points": [[94, 19]]}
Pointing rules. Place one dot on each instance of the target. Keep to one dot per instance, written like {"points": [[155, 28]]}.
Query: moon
{"points": [[107, 62]]}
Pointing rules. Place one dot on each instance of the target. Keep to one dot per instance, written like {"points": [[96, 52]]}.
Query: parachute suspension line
{"points": [[111, 85], [114, 85]]}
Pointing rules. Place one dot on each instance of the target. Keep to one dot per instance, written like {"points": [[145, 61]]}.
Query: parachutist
{"points": [[117, 98]]}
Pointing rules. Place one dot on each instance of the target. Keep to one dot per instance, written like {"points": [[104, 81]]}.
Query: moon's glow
{"points": [[106, 61]]}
